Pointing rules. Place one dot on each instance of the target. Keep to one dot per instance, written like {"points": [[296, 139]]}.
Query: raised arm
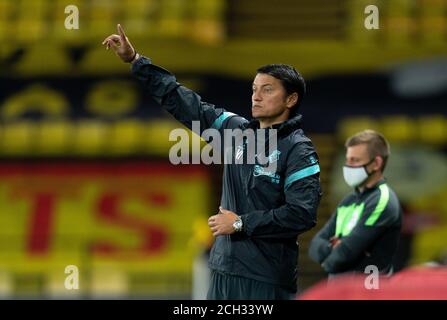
{"points": [[184, 104]]}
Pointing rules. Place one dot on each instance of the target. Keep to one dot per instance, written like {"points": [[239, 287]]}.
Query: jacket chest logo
{"points": [[239, 152], [261, 171]]}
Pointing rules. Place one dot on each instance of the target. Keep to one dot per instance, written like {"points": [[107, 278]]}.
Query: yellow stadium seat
{"points": [[172, 22], [125, 137], [429, 244], [53, 137], [109, 282], [90, 138], [398, 129], [6, 21], [16, 138], [56, 278], [139, 17], [102, 18], [433, 129], [398, 21], [100, 61], [208, 24], [433, 21], [31, 20], [156, 136], [6, 284], [349, 126], [44, 59]]}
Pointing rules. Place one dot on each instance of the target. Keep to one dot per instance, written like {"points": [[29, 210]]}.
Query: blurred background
{"points": [[85, 178]]}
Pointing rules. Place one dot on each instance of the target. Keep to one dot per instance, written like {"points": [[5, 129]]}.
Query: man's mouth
{"points": [[256, 106]]}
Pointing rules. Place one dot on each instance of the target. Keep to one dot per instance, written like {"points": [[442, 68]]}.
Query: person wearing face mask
{"points": [[365, 228]]}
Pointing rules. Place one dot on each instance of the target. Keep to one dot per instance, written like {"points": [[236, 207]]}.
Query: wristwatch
{"points": [[135, 58], [237, 225]]}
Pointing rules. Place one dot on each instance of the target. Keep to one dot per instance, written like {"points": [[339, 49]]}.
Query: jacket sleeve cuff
{"points": [[245, 226], [141, 61], [325, 251], [325, 266]]}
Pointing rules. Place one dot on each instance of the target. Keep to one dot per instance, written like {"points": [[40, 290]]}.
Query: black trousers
{"points": [[230, 287]]}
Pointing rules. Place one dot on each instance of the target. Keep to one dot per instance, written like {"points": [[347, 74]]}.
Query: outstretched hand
{"points": [[121, 45]]}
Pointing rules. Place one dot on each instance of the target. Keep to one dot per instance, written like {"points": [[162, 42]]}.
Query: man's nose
{"points": [[256, 97]]}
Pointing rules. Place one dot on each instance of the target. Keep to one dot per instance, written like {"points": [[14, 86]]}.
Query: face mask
{"points": [[355, 176]]}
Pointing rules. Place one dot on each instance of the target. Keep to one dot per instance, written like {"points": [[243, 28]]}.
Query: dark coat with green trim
{"points": [[368, 224], [275, 206]]}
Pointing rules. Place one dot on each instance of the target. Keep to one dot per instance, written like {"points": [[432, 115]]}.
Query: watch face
{"points": [[237, 225]]}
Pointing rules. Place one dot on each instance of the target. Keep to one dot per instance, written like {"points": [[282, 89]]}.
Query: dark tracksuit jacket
{"points": [[275, 206], [368, 224]]}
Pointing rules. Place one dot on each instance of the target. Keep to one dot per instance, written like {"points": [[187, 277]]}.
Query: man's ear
{"points": [[378, 163], [292, 99]]}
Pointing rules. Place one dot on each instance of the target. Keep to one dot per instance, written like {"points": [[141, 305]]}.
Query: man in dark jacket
{"points": [[365, 228], [263, 210]]}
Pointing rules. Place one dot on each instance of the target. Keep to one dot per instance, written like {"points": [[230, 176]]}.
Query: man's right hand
{"points": [[335, 241], [121, 45]]}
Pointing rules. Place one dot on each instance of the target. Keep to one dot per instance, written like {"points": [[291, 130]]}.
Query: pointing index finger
{"points": [[121, 31]]}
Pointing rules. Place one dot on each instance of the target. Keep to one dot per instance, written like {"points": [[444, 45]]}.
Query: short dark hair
{"points": [[291, 79], [375, 142]]}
